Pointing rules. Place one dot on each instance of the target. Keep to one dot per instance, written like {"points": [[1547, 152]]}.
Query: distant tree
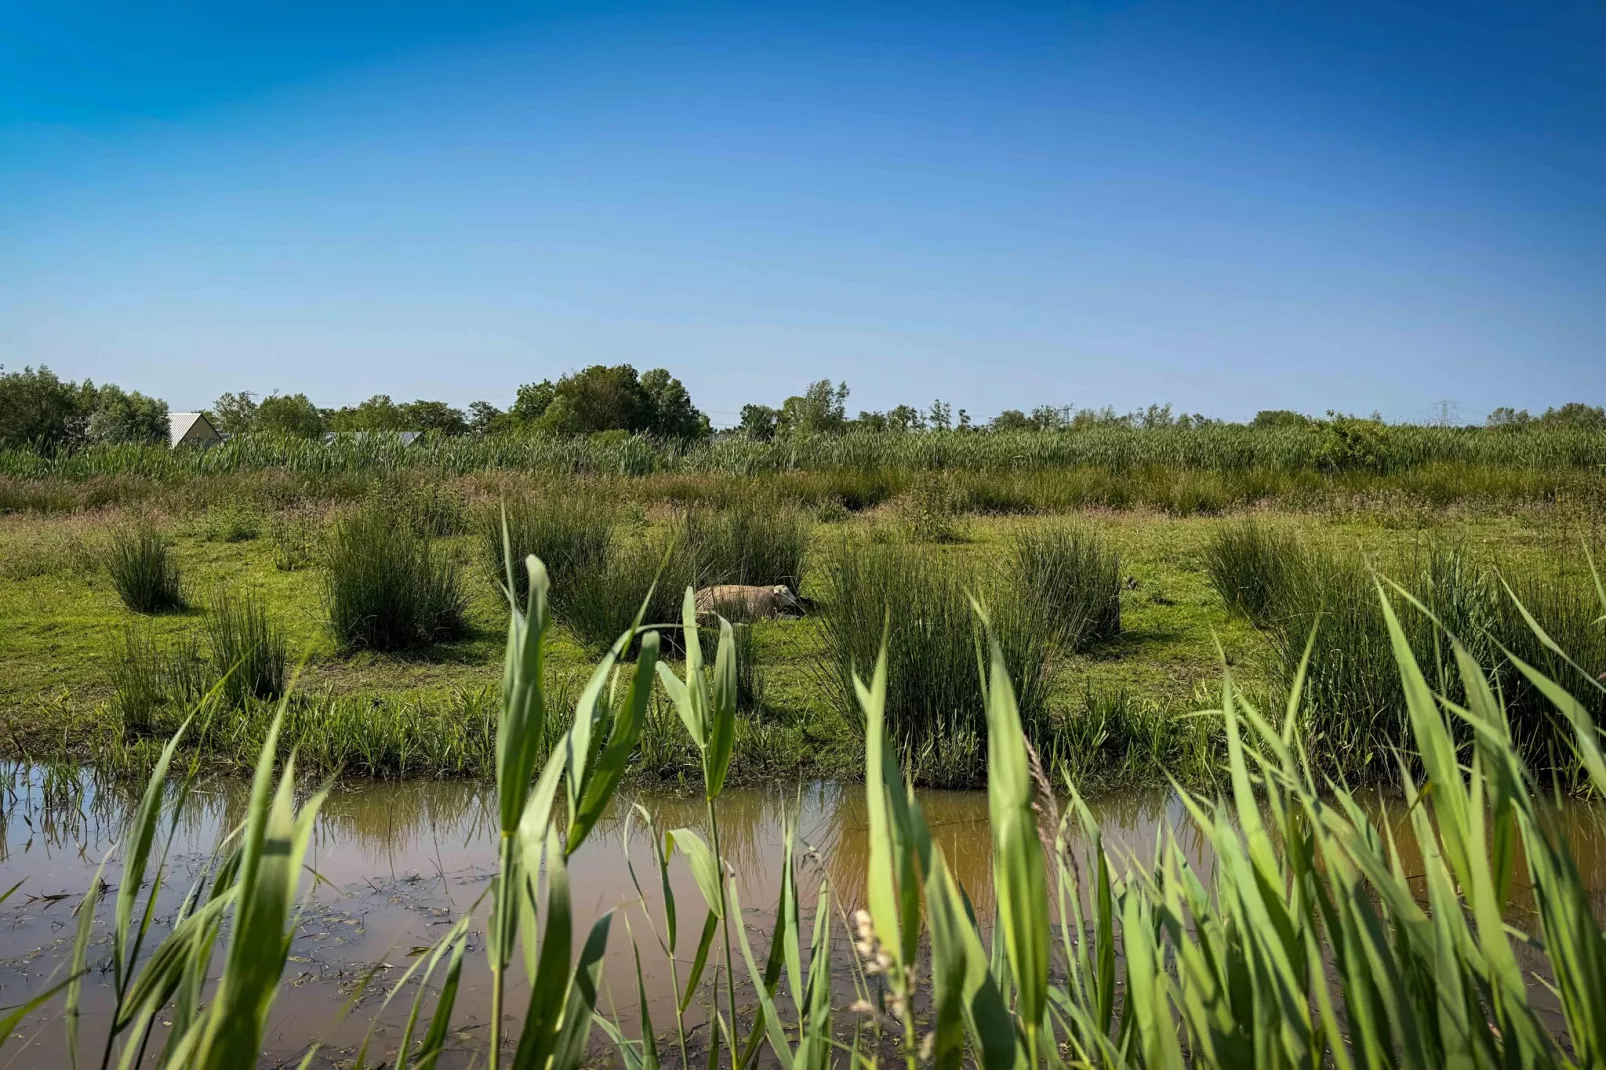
{"points": [[940, 416], [1506, 416], [378, 413], [759, 422], [1011, 420], [40, 411], [125, 416], [905, 418], [870, 421], [669, 411], [485, 418], [1280, 418], [1575, 414], [233, 413], [1155, 416], [434, 416], [1052, 417], [598, 398], [532, 401], [821, 409], [964, 422], [289, 414], [1105, 417]]}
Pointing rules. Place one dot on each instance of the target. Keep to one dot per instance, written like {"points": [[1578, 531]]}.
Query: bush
{"points": [[1073, 578], [931, 510], [248, 653], [143, 570], [934, 691], [387, 586]]}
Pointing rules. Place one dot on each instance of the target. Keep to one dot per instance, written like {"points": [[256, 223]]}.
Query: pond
{"points": [[395, 862]]}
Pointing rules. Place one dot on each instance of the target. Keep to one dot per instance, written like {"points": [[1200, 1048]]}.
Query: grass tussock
{"points": [[1074, 578], [143, 570], [574, 534], [248, 651], [388, 586], [923, 606]]}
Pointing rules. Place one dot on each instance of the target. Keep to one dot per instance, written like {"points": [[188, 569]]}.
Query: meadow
{"points": [[1314, 934], [1118, 591]]}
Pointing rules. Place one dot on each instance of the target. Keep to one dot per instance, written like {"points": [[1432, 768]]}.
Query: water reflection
{"points": [[397, 861]]}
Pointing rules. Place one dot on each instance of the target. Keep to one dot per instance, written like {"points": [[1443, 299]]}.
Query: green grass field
{"points": [[62, 626]]}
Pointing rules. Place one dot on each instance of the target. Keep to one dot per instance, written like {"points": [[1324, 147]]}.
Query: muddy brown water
{"points": [[397, 862]]}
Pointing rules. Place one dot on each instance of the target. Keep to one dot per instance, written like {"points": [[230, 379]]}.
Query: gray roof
{"points": [[180, 424]]}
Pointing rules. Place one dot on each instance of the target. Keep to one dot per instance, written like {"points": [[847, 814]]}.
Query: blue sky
{"points": [[1228, 206]]}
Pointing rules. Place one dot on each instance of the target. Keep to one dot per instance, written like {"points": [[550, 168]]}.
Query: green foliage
{"points": [[380, 413], [603, 398], [277, 414], [1353, 443], [126, 416], [819, 410], [931, 509], [387, 586], [38, 410], [143, 571], [231, 522], [1280, 418]]}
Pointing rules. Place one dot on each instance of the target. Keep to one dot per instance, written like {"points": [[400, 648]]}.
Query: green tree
{"points": [[821, 409], [670, 413], [1506, 416], [486, 419], [39, 410], [233, 413], [905, 418], [378, 413], [1575, 414], [532, 401], [759, 422], [1280, 418], [289, 414], [434, 416], [1012, 420], [126, 416]]}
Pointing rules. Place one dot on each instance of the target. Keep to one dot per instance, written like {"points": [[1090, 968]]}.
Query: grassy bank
{"points": [[1115, 656]]}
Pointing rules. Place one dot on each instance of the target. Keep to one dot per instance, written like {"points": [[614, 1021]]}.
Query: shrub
{"points": [[143, 570], [1075, 581], [931, 509], [387, 586], [248, 652]]}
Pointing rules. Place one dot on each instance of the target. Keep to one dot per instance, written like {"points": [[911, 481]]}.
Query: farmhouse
{"points": [[191, 429]]}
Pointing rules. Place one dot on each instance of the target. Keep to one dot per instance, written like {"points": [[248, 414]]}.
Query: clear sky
{"points": [[1229, 206]]}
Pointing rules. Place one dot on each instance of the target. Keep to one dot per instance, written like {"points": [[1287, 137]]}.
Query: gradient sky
{"points": [[1229, 206]]}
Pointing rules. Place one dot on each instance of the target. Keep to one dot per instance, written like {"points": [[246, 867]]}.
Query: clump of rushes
{"points": [[1074, 578], [294, 535], [603, 600], [143, 570], [933, 691], [248, 652], [149, 677], [572, 533], [1250, 566], [387, 586], [752, 543]]}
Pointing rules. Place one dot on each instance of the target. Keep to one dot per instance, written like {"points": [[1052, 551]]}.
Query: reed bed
{"points": [[1312, 936]]}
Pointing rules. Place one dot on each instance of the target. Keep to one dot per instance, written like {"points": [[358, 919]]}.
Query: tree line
{"points": [[40, 411]]}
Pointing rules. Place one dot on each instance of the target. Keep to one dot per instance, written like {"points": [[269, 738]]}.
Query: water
{"points": [[395, 863]]}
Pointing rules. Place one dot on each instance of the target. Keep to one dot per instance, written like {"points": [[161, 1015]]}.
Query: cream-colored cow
{"points": [[738, 603]]}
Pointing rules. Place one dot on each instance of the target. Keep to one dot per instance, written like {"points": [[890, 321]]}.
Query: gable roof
{"points": [[181, 424]]}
